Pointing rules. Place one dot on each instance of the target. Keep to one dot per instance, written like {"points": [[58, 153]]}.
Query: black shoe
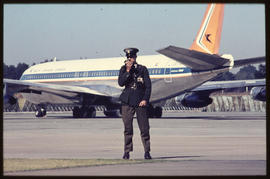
{"points": [[126, 156], [147, 156]]}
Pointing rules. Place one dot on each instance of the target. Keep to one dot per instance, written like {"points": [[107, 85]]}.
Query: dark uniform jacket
{"points": [[137, 85]]}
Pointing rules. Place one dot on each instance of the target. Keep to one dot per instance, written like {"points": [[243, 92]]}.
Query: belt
{"points": [[133, 86]]}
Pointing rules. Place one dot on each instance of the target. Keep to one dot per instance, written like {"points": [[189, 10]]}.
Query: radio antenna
{"points": [[122, 56]]}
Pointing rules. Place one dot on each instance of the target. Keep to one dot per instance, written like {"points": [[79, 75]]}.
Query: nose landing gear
{"points": [[41, 112]]}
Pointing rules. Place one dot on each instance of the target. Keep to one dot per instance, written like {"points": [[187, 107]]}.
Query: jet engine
{"points": [[8, 99], [258, 93], [194, 99]]}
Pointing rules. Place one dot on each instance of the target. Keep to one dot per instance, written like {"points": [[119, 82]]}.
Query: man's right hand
{"points": [[129, 65]]}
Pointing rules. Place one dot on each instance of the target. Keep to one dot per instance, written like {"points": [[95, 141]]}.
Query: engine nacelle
{"points": [[194, 100], [258, 93], [8, 99]]}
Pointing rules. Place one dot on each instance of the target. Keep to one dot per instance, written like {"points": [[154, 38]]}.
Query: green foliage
{"points": [[250, 72], [12, 72], [262, 72], [225, 77]]}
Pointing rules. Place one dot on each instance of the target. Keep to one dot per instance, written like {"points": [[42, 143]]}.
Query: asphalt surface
{"points": [[183, 143]]}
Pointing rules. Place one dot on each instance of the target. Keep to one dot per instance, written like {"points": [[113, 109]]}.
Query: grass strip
{"points": [[15, 165]]}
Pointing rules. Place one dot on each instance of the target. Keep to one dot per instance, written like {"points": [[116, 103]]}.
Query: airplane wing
{"points": [[65, 91], [219, 85], [194, 59], [202, 61], [242, 62]]}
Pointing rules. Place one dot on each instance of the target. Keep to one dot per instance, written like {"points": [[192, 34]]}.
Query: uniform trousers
{"points": [[143, 122]]}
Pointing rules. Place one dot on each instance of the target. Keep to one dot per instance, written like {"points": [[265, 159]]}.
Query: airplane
{"points": [[90, 82]]}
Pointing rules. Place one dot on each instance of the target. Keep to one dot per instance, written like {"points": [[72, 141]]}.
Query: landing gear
{"points": [[157, 112], [154, 112], [40, 112], [76, 112], [84, 112], [113, 113]]}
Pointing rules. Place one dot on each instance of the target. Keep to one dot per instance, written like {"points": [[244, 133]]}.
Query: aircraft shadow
{"points": [[174, 157], [211, 117]]}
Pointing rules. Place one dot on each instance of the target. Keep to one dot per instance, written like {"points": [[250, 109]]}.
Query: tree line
{"points": [[245, 73]]}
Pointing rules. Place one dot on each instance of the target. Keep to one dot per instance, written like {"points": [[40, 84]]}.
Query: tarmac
{"points": [[182, 143]]}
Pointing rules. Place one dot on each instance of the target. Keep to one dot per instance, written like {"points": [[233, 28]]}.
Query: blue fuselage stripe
{"points": [[100, 73]]}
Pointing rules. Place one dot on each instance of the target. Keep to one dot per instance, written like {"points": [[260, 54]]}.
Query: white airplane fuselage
{"points": [[169, 77]]}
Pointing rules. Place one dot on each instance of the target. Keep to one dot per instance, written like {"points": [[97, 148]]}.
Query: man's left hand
{"points": [[143, 103]]}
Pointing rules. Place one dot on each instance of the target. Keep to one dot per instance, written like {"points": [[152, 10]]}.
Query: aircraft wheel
{"points": [[76, 112], [150, 111], [92, 112], [113, 113], [88, 112], [158, 112], [40, 112]]}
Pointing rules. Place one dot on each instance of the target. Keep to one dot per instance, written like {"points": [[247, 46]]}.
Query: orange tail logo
{"points": [[208, 37]]}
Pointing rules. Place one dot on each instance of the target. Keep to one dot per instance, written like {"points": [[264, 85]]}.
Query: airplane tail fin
{"points": [[208, 37]]}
